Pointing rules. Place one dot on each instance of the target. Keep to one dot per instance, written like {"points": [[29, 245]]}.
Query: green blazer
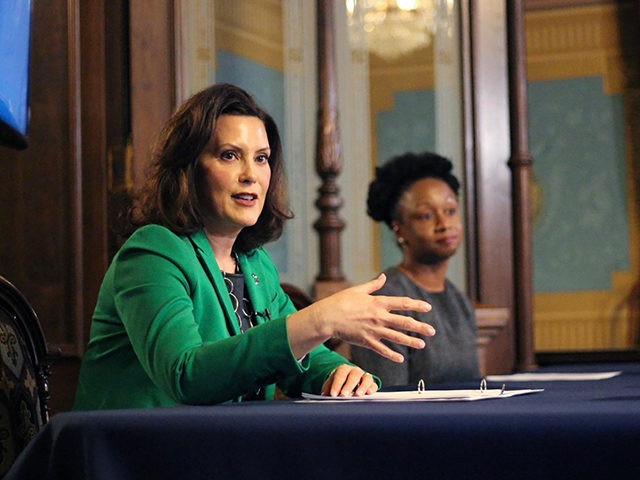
{"points": [[164, 331]]}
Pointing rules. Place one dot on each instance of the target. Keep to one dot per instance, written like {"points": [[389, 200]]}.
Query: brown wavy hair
{"points": [[170, 194]]}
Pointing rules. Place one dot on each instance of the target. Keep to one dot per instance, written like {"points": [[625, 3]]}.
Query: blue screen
{"points": [[15, 22]]}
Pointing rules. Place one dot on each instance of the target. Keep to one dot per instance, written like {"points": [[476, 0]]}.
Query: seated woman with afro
{"points": [[416, 195]]}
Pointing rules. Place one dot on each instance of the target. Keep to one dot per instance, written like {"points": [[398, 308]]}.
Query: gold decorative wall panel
{"points": [[576, 42]]}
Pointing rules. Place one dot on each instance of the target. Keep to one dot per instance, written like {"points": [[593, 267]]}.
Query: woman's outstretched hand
{"points": [[356, 316]]}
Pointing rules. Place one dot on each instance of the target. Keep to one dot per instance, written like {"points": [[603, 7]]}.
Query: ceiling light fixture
{"points": [[392, 28]]}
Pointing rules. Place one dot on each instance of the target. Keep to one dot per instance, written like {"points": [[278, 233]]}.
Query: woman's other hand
{"points": [[349, 381]]}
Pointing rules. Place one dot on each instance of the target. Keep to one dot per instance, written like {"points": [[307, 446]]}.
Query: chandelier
{"points": [[391, 28]]}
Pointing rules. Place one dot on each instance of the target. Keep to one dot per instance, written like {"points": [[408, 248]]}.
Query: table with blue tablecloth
{"points": [[572, 429]]}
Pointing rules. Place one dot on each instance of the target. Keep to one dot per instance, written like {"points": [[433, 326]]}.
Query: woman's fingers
{"points": [[367, 385], [392, 335], [403, 304], [382, 349], [400, 338], [390, 303], [349, 380], [333, 385], [408, 324]]}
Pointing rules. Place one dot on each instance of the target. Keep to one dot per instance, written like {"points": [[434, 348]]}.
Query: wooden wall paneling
{"points": [[630, 35], [520, 163], [65, 366], [39, 208], [101, 88], [153, 82], [94, 155], [490, 192], [468, 184], [491, 320], [86, 190], [59, 256], [119, 179], [74, 171], [125, 88]]}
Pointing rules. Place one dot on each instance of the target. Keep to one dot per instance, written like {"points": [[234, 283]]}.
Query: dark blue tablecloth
{"points": [[574, 429]]}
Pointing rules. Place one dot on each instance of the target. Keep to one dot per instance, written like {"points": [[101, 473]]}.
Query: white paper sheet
{"points": [[424, 396], [550, 377]]}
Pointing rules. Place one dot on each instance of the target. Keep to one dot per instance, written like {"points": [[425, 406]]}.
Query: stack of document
{"points": [[483, 393], [425, 396]]}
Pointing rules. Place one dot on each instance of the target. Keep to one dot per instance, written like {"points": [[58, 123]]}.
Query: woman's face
{"points": [[430, 221], [236, 174]]}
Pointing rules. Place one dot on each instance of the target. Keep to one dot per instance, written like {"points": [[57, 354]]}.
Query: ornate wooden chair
{"points": [[24, 372]]}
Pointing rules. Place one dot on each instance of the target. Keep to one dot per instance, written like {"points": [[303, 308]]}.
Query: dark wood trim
{"points": [[469, 183], [328, 162], [491, 189], [520, 163], [76, 273], [92, 217]]}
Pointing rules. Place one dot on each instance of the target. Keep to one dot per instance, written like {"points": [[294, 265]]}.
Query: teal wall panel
{"points": [[581, 234]]}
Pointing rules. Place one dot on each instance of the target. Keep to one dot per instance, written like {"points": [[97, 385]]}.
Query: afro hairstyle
{"points": [[398, 174]]}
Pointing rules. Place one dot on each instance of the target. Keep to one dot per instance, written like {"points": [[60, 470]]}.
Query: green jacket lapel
{"points": [[210, 266]]}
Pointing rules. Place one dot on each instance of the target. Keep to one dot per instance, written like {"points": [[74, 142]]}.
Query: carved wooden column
{"points": [[520, 164], [328, 165]]}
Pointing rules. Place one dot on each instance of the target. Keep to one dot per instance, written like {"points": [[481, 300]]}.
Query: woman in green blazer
{"points": [[191, 310]]}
